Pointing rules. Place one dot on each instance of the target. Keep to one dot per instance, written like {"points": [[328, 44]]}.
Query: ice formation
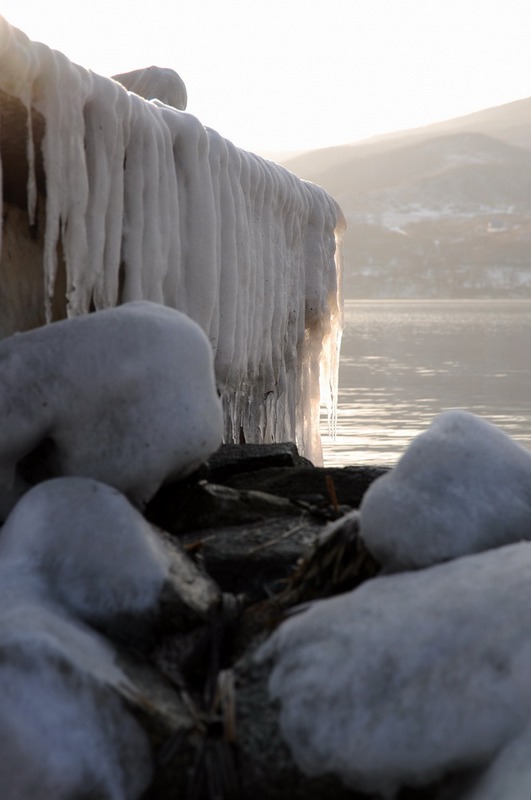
{"points": [[147, 203], [462, 486], [126, 396], [411, 676], [156, 83], [73, 551]]}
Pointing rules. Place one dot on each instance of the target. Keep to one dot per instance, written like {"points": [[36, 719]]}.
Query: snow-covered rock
{"points": [[462, 486], [64, 732], [411, 676], [73, 551], [126, 396], [97, 556]]}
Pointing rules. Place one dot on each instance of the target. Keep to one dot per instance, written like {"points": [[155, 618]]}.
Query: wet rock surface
{"points": [[269, 538], [241, 558], [304, 482], [262, 530], [235, 459]]}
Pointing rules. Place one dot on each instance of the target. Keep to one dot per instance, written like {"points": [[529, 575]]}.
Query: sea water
{"points": [[404, 361]]}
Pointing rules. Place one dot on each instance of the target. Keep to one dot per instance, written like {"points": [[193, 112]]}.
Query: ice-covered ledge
{"points": [[109, 197]]}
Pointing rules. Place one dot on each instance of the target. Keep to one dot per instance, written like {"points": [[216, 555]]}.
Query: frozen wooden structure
{"points": [[108, 197]]}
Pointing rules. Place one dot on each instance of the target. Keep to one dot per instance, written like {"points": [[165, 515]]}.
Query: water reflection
{"points": [[404, 361]]}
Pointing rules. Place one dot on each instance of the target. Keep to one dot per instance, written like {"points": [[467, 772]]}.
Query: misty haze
{"points": [[440, 215]]}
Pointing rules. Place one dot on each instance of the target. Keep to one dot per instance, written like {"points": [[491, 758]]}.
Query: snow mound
{"points": [[96, 554], [461, 487], [400, 681], [156, 83], [126, 396], [72, 551], [64, 734]]}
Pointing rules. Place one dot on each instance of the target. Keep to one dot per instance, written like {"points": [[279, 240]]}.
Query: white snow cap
{"points": [[92, 551], [411, 676], [126, 396], [156, 83], [73, 551], [461, 487], [63, 732], [149, 204]]}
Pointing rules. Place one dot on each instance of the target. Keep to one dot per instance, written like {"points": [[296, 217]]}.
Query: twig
{"points": [[276, 539], [330, 485]]}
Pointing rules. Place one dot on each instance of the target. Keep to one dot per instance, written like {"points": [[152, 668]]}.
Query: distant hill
{"points": [[439, 211]]}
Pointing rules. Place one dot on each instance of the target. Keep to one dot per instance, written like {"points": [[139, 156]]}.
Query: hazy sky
{"points": [[278, 75]]}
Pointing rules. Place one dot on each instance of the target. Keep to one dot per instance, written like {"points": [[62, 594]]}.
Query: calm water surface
{"points": [[404, 361]]}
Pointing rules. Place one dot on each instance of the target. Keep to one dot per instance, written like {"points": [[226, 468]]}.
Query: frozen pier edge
{"points": [[108, 197]]}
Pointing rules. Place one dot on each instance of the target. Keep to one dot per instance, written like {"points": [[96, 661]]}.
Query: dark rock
{"points": [[255, 559], [349, 483], [189, 595], [152, 698], [339, 562], [174, 727], [231, 459], [267, 770], [248, 549], [207, 505]]}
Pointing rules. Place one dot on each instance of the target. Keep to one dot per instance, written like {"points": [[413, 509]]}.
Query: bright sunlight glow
{"points": [[283, 76]]}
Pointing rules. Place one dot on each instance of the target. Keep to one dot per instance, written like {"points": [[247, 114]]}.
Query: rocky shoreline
{"points": [[271, 531], [414, 686]]}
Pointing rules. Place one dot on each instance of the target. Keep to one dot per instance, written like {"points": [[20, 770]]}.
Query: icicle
{"points": [[63, 90], [107, 122], [32, 182], [224, 331]]}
